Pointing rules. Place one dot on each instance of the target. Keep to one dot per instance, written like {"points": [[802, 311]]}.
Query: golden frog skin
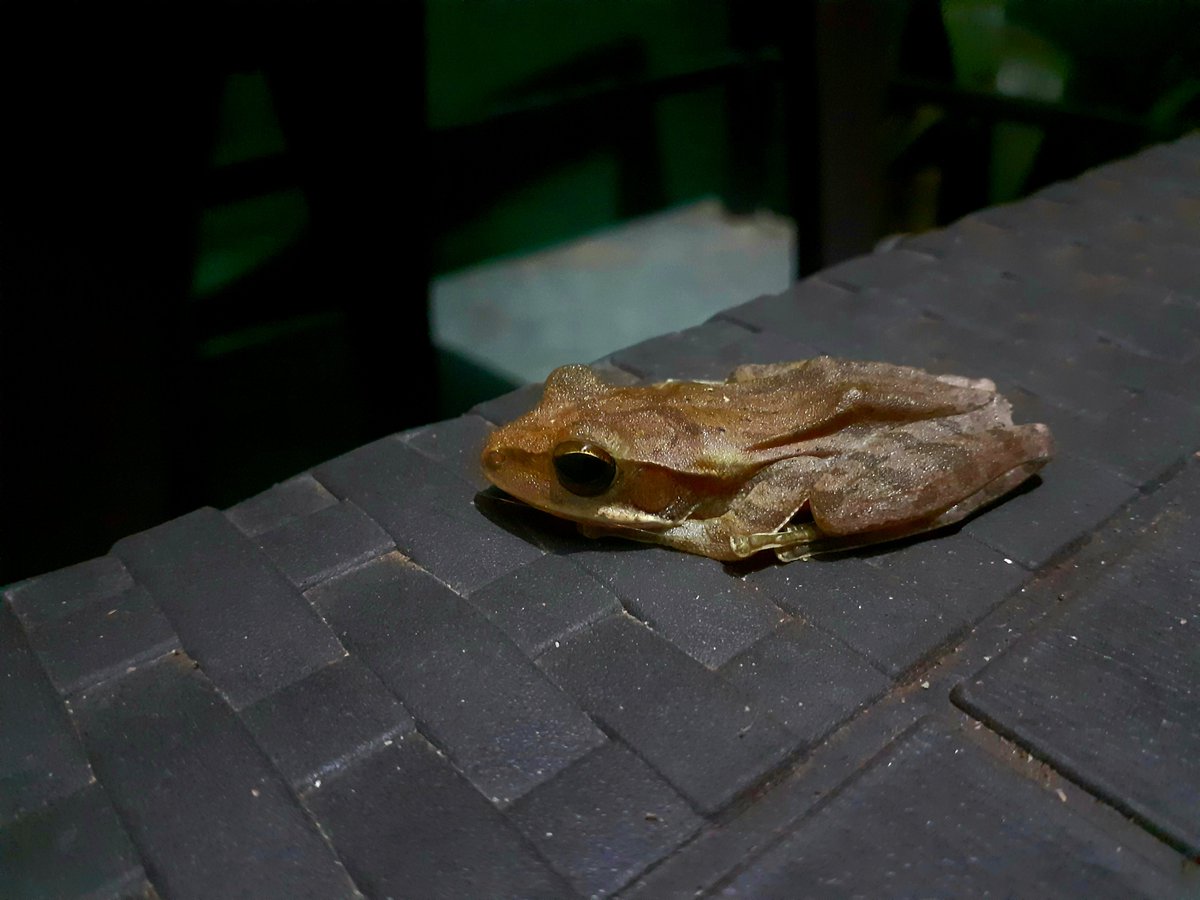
{"points": [[804, 458]]}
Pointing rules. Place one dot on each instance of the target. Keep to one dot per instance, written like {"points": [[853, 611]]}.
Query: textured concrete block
{"points": [[1069, 499], [509, 406], [317, 727], [455, 444], [208, 813], [327, 543], [471, 689], [939, 817], [831, 319], [959, 574], [1146, 436], [705, 737], [406, 824], [1126, 648], [293, 499], [73, 848], [894, 626], [103, 640], [808, 681], [57, 594], [605, 820], [428, 511], [234, 612], [545, 602], [40, 757], [689, 600], [707, 352]]}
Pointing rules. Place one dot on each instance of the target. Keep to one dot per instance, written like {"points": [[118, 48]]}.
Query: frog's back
{"points": [[775, 405]]}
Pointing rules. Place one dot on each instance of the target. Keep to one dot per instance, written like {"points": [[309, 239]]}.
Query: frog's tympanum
{"points": [[804, 458]]}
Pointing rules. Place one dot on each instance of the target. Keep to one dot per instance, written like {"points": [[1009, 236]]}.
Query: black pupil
{"points": [[583, 473]]}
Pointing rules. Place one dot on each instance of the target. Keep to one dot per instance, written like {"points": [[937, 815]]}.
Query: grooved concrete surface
{"points": [[371, 680]]}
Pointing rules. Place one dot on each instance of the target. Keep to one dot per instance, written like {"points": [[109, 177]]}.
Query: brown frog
{"points": [[803, 458]]}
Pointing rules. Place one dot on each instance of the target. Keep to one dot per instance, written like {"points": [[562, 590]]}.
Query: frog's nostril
{"points": [[493, 460]]}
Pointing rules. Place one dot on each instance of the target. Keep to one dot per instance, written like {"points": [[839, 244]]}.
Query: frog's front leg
{"points": [[757, 519]]}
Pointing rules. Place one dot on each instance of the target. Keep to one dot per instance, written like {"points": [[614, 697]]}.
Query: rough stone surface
{"points": [[234, 613], [710, 351], [376, 679], [327, 543], [74, 848], [706, 737], [472, 690], [457, 444], [174, 757], [542, 604], [993, 832], [1067, 502], [102, 640], [1128, 643], [406, 823], [317, 727], [687, 599], [604, 820], [428, 512], [57, 594], [898, 627], [40, 756], [292, 499], [808, 681]]}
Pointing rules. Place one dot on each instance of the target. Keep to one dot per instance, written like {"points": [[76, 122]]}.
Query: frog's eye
{"points": [[584, 469]]}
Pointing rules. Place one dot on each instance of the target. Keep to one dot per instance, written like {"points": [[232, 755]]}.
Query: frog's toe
{"points": [[978, 384], [790, 537]]}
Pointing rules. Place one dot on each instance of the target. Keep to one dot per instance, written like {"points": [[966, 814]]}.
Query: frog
{"points": [[801, 458]]}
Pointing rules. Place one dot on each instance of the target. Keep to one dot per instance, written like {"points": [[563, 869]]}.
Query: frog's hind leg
{"points": [[804, 541], [917, 483]]}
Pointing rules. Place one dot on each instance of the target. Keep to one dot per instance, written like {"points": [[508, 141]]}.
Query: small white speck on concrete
{"points": [[1007, 561]]}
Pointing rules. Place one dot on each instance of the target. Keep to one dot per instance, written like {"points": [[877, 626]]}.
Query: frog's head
{"points": [[610, 456]]}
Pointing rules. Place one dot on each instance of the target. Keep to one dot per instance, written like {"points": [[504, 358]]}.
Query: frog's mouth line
{"points": [[634, 520], [611, 518]]}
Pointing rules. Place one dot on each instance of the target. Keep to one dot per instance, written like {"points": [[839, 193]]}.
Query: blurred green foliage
{"points": [[1136, 60]]}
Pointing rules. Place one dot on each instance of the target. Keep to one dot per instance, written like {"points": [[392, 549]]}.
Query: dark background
{"points": [[218, 223]]}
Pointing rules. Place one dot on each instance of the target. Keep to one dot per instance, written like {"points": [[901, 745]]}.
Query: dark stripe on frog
{"points": [[861, 414]]}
